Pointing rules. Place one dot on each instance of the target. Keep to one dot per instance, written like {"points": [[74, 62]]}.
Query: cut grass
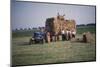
{"points": [[54, 52]]}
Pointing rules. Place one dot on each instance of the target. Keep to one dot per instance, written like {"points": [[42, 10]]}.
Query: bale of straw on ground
{"points": [[88, 37]]}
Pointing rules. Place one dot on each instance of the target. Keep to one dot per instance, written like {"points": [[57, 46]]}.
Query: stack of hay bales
{"points": [[69, 24], [56, 24], [88, 37]]}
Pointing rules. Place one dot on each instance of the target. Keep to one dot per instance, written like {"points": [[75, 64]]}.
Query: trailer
{"points": [[55, 25]]}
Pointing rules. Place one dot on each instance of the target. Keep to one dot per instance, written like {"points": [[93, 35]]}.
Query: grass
{"points": [[55, 52], [81, 30], [24, 33]]}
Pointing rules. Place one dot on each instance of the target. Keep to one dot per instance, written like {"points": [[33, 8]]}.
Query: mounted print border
{"points": [[52, 33]]}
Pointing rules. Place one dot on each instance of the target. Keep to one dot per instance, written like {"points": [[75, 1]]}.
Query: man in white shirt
{"points": [[73, 33], [68, 34], [63, 34]]}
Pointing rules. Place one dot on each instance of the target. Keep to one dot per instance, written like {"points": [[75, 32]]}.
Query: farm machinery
{"points": [[55, 26]]}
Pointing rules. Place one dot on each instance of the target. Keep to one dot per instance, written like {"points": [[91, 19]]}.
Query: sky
{"points": [[32, 14]]}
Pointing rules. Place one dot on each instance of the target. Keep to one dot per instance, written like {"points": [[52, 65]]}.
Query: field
{"points": [[54, 52]]}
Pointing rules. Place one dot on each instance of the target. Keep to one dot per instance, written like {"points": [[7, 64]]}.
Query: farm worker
{"points": [[56, 35], [63, 34], [48, 37], [68, 34], [73, 33]]}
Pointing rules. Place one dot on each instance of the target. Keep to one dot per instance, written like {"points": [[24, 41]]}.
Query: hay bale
{"points": [[88, 37], [57, 24]]}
